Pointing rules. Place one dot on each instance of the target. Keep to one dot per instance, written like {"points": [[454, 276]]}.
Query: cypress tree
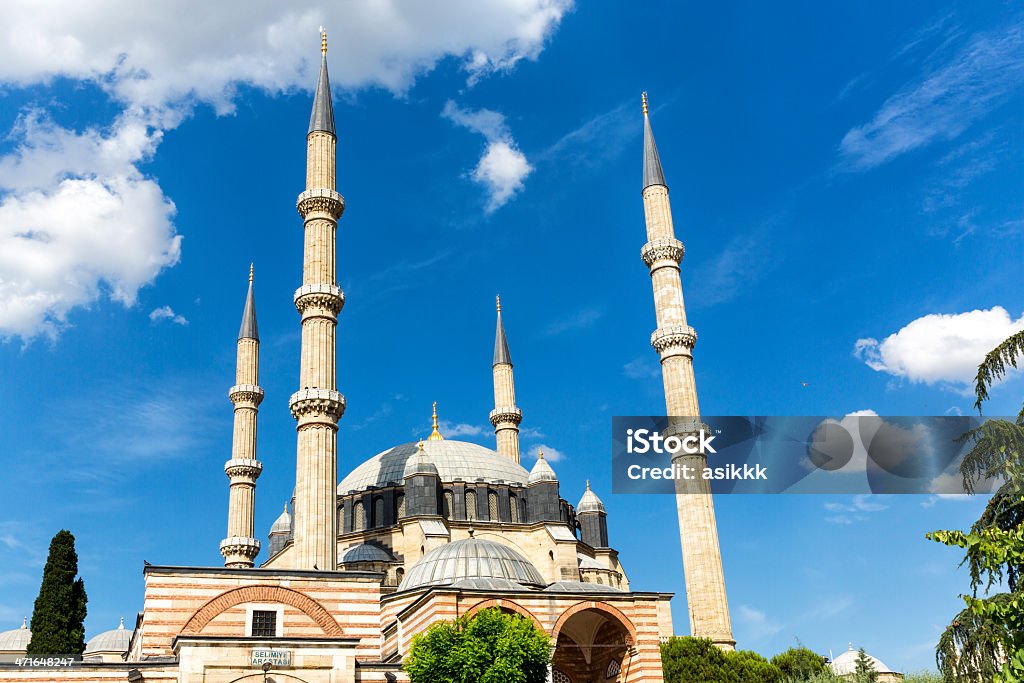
{"points": [[59, 613]]}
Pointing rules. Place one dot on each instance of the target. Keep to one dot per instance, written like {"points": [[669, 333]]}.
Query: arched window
{"points": [[341, 519], [470, 505], [492, 506], [401, 506], [449, 503], [358, 516], [513, 508], [378, 511], [399, 574]]}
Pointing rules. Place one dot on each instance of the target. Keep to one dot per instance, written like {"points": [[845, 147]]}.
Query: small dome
{"points": [[420, 463], [846, 663], [115, 640], [283, 524], [455, 461], [471, 558], [15, 640], [541, 470], [366, 552], [590, 502]]}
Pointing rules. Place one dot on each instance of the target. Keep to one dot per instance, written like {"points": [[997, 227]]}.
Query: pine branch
{"points": [[995, 367]]}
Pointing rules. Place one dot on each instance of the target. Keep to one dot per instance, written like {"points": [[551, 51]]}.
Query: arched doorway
{"points": [[592, 645]]}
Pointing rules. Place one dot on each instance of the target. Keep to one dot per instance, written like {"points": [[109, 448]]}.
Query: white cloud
{"points": [[502, 168], [580, 320], [756, 623], [454, 429], [167, 313], [77, 218], [943, 103], [855, 511], [152, 54], [551, 453], [940, 348]]}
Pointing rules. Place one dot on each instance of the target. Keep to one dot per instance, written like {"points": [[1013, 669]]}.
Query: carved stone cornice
{"points": [[674, 337], [320, 200], [662, 249], [246, 393], [243, 468], [506, 415], [319, 299], [317, 405]]}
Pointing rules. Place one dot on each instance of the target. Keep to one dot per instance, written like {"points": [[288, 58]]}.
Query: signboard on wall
{"points": [[276, 658]]}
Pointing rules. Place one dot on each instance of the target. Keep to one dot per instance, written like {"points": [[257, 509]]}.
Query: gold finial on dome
{"points": [[434, 434], [420, 445], [323, 40], [540, 453], [643, 99], [588, 484]]}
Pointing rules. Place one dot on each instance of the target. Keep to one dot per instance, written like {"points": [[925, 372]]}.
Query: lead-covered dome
{"points": [[113, 641], [471, 558], [846, 663], [454, 460], [15, 640]]}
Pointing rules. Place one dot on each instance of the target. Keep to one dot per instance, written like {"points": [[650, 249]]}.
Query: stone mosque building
{"points": [[420, 532]]}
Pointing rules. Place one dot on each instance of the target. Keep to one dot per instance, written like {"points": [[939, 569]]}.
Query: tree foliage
{"points": [[799, 663], [985, 641], [489, 647], [864, 669], [693, 660], [59, 612]]}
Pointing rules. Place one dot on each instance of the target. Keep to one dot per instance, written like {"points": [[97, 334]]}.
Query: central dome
{"points": [[455, 461], [472, 558]]}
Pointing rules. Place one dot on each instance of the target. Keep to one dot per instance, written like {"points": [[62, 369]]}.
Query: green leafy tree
{"points": [[799, 663], [489, 647], [864, 668], [698, 660], [985, 641], [59, 612]]}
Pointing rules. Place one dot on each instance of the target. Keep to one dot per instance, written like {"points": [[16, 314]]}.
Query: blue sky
{"points": [[846, 179]]}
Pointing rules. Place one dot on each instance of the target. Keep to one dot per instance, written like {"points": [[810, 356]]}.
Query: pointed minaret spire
{"points": [[318, 405], [506, 416], [501, 354], [322, 117], [249, 330], [674, 340], [653, 174], [241, 547]]}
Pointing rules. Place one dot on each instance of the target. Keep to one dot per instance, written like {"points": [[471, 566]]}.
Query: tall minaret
{"points": [[318, 406], [505, 417], [674, 341], [240, 547]]}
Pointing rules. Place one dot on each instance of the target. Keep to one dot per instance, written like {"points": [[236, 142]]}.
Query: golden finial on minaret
{"points": [[643, 99], [323, 40], [434, 434], [250, 273], [498, 301]]}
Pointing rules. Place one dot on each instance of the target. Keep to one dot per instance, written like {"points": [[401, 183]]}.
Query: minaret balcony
{"points": [[243, 469], [662, 249], [239, 551], [674, 340], [320, 200], [246, 393], [324, 300], [317, 405], [506, 415]]}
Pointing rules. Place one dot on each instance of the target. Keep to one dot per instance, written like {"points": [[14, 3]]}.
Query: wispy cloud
{"points": [[642, 368], [550, 452], [756, 623], [502, 168], [737, 266], [599, 138], [167, 313], [855, 511], [455, 429], [580, 320], [943, 103]]}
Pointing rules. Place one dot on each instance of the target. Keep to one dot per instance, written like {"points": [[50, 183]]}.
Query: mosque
{"points": [[418, 533]]}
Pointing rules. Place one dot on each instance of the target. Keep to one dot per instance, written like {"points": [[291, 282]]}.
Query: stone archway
{"points": [[593, 644], [285, 596], [506, 606]]}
